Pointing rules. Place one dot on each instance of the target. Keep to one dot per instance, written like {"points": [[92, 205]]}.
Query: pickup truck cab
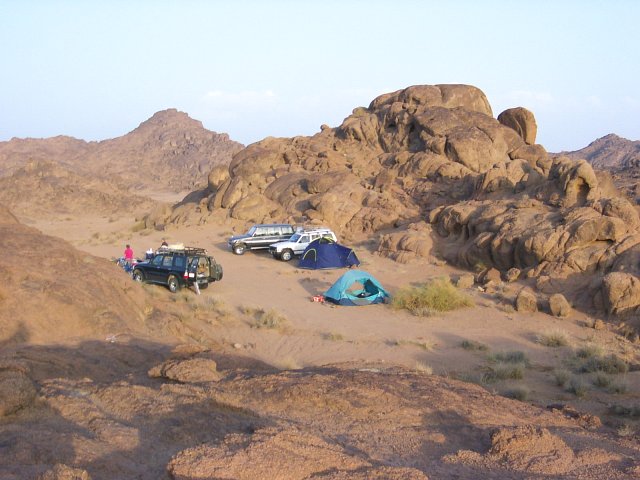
{"points": [[295, 245], [260, 236]]}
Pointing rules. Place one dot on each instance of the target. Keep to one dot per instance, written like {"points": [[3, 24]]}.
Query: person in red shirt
{"points": [[128, 255]]}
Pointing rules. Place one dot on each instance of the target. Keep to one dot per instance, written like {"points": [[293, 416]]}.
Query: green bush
{"points": [[439, 295]]}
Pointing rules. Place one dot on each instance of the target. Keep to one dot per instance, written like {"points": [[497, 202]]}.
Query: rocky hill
{"points": [[53, 292], [609, 152], [44, 189], [429, 169], [618, 156], [168, 152]]}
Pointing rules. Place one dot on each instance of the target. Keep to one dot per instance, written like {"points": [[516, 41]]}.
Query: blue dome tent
{"points": [[326, 253], [356, 287]]}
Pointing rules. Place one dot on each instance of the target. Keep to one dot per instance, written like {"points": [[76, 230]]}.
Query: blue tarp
{"points": [[325, 253], [356, 287]]}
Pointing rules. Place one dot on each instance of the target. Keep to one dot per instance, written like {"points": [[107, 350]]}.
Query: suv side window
{"points": [[179, 262], [157, 260], [260, 231], [304, 239], [167, 261]]}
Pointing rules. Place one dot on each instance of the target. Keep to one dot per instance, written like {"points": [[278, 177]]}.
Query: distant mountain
{"points": [[610, 152], [617, 155], [168, 152]]}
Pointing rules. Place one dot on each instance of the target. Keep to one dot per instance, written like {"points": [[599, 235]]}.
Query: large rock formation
{"points": [[435, 155]]}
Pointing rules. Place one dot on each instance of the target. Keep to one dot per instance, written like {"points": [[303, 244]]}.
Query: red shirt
{"points": [[128, 254]]}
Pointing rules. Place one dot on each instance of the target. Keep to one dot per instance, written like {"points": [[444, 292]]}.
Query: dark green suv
{"points": [[179, 268]]}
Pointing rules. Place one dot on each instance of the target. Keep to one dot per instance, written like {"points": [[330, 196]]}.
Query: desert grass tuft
{"points": [[270, 319], [520, 393], [553, 338], [561, 376], [437, 296], [506, 371], [333, 336], [513, 356], [624, 411], [288, 363], [578, 387], [611, 364], [474, 346], [589, 350], [423, 368]]}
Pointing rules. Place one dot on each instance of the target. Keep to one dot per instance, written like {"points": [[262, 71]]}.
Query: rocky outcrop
{"points": [[429, 170]]}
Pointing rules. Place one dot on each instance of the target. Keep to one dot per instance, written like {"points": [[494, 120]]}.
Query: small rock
{"points": [[598, 324], [559, 305], [512, 275], [237, 346], [526, 301], [465, 280], [63, 472], [492, 275]]}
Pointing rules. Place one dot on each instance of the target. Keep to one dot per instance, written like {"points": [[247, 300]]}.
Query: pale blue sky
{"points": [[97, 69]]}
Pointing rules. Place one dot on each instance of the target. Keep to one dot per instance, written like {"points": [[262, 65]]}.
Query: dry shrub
{"points": [[611, 364], [425, 345], [423, 368], [515, 356], [624, 411], [561, 376], [578, 387], [270, 319], [506, 371], [517, 393], [553, 338], [333, 336], [439, 295], [474, 346], [589, 350]]}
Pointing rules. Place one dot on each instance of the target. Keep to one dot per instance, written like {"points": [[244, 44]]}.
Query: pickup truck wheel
{"points": [[239, 249], [173, 284], [286, 255], [138, 276]]}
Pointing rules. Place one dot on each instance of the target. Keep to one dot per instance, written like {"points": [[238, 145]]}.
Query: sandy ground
{"points": [[319, 334]]}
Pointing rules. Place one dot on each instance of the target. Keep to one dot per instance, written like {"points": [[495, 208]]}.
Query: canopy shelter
{"points": [[326, 253], [356, 287]]}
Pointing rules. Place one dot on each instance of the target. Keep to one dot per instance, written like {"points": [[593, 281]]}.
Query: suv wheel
{"points": [[286, 255], [138, 276], [173, 284], [239, 248]]}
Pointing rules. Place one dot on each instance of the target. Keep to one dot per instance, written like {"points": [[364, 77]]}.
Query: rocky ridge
{"points": [[429, 169], [169, 151]]}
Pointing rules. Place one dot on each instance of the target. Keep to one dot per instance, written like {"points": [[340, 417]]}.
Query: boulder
{"points": [[466, 280], [512, 275], [559, 306], [620, 292], [526, 301], [522, 121]]}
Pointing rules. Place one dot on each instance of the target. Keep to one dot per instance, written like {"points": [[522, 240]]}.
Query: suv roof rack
{"points": [[304, 229], [185, 250]]}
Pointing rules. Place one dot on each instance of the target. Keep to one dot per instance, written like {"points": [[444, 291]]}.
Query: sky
{"points": [[97, 69]]}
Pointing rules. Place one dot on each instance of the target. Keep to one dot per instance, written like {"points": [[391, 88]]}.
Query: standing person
{"points": [[128, 255]]}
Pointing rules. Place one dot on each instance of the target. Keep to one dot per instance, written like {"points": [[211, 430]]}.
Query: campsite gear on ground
{"points": [[327, 253], [317, 298], [356, 287]]}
